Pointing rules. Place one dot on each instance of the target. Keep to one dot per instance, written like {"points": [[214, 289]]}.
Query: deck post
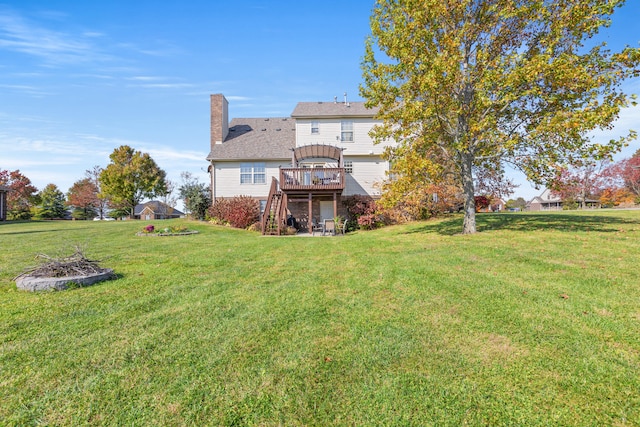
{"points": [[310, 219]]}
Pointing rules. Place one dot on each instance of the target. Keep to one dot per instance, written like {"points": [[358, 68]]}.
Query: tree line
{"points": [[111, 192], [610, 184]]}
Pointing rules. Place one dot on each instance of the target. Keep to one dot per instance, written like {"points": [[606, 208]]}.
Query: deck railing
{"points": [[312, 179]]}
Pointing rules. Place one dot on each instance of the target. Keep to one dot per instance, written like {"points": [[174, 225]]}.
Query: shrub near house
{"points": [[239, 212]]}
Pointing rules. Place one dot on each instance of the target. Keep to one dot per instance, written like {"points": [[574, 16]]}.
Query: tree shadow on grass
{"points": [[529, 222]]}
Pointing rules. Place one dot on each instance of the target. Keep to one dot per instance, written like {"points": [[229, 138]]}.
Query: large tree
{"points": [[20, 198], [486, 82], [130, 177]]}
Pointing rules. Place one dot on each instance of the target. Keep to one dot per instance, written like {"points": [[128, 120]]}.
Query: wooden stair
{"points": [[274, 216]]}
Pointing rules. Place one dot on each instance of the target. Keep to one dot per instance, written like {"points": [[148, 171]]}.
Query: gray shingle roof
{"points": [[257, 138], [156, 206], [311, 110]]}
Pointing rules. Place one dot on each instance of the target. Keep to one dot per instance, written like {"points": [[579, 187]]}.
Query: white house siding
{"points": [[227, 179], [330, 132], [368, 174]]}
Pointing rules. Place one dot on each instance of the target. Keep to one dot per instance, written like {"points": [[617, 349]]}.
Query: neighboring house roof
{"points": [[156, 206], [312, 110], [3, 188], [257, 138]]}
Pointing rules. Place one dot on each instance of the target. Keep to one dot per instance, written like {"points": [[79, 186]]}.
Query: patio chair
{"points": [[316, 227], [343, 227], [329, 226]]}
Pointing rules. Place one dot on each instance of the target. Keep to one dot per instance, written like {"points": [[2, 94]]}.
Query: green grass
{"points": [[406, 325]]}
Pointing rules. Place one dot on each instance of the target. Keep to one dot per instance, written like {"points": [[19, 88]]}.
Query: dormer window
{"points": [[315, 127], [346, 131]]}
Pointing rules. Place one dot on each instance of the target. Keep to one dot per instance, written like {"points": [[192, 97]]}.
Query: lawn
{"points": [[533, 321]]}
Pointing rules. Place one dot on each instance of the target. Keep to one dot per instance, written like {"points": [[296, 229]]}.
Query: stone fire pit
{"points": [[63, 273], [33, 284]]}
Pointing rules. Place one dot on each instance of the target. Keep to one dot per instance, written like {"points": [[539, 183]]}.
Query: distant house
{"points": [[548, 201], [155, 210], [3, 202], [496, 205]]}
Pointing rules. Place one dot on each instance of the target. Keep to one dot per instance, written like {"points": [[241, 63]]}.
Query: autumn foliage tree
{"points": [[622, 182], [20, 198], [419, 187], [484, 83], [629, 170], [579, 184], [83, 197], [130, 177]]}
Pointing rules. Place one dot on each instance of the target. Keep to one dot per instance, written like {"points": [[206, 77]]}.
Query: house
{"points": [[549, 201], [496, 205], [155, 210], [3, 202], [305, 165]]}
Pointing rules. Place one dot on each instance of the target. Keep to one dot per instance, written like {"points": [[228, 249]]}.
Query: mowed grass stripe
{"points": [[533, 321]]}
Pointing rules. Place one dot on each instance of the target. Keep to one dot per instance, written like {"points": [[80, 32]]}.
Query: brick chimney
{"points": [[219, 119]]}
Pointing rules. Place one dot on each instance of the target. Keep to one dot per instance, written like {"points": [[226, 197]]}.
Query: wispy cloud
{"points": [[171, 155], [53, 47], [166, 49], [146, 78], [27, 89], [167, 85], [157, 82]]}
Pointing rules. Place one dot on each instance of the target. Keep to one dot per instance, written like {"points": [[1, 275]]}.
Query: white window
{"points": [[348, 166], [253, 173], [346, 131], [315, 127]]}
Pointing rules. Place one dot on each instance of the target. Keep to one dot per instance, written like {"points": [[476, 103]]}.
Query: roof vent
{"points": [[284, 120], [266, 120], [278, 130], [264, 129]]}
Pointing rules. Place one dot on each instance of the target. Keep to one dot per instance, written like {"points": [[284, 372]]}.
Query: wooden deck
{"points": [[312, 180]]}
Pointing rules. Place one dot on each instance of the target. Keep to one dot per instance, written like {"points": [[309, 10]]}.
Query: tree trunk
{"points": [[469, 223]]}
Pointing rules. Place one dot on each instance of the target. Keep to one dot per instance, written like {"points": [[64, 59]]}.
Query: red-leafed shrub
{"points": [[367, 222], [360, 205], [364, 210], [239, 212]]}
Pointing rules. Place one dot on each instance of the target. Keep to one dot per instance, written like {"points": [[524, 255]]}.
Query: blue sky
{"points": [[80, 78]]}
